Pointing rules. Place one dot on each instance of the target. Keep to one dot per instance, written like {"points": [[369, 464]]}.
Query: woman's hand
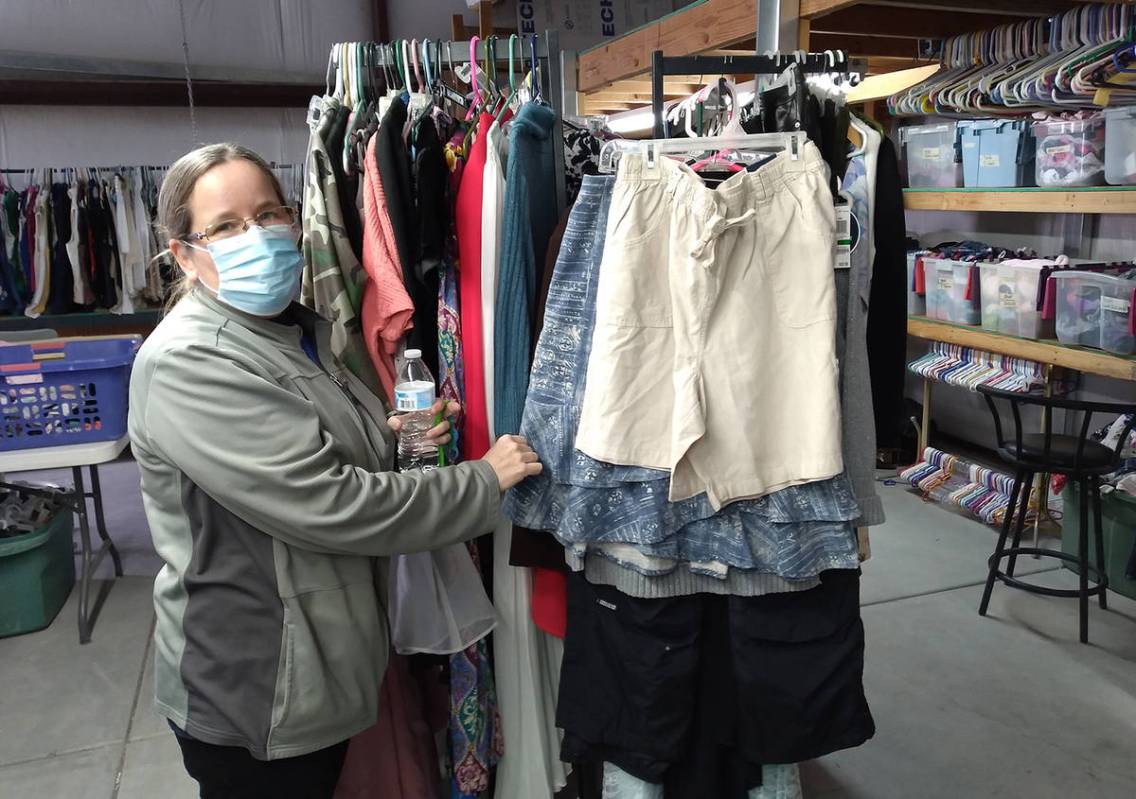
{"points": [[513, 460], [439, 434]]}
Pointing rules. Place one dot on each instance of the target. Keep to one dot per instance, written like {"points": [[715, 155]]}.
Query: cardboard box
{"points": [[587, 23]]}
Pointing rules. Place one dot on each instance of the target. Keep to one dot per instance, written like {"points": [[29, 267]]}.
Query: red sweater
{"points": [[475, 440]]}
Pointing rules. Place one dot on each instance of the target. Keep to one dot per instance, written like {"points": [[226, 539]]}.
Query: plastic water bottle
{"points": [[413, 398]]}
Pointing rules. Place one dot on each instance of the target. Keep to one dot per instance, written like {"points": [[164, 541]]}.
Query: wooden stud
{"points": [[485, 19]]}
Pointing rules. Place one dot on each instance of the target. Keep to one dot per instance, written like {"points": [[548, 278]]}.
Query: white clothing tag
{"points": [[419, 102], [315, 111], [1116, 304]]}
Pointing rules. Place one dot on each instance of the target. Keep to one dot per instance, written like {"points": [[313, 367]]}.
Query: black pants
{"points": [[230, 772]]}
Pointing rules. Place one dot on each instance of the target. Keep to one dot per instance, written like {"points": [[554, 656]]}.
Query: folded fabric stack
{"points": [[982, 491]]}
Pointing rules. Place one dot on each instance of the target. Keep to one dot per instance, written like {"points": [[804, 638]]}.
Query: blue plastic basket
{"points": [[62, 392]]}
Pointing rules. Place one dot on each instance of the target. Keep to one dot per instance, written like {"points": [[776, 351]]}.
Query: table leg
{"points": [[85, 566], [100, 521], [925, 424]]}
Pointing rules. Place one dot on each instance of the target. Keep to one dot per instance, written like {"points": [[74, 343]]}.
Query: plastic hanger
{"points": [[505, 106], [417, 66], [477, 100], [537, 93], [652, 149]]}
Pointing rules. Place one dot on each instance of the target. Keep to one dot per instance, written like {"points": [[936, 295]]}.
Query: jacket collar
{"points": [[282, 332]]}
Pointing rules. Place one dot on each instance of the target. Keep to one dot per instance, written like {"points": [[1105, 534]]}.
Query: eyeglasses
{"points": [[227, 228]]}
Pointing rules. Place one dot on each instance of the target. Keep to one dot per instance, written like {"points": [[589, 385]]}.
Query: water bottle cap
{"points": [[410, 355]]}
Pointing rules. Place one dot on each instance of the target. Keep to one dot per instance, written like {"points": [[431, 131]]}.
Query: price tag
{"points": [[990, 160], [932, 153], [843, 236]]}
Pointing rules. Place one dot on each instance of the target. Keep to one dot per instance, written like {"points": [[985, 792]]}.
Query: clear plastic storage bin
{"points": [[997, 153], [931, 155], [951, 297], [1120, 146], [1095, 310], [1070, 152], [916, 303], [1010, 300]]}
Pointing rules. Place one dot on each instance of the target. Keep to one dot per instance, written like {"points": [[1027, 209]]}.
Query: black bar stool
{"points": [[1077, 457]]}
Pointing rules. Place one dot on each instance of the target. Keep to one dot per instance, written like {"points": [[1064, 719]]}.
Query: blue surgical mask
{"points": [[259, 270]]}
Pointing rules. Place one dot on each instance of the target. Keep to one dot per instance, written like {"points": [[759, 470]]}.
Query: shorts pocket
{"points": [[797, 252], [630, 669], [799, 665]]}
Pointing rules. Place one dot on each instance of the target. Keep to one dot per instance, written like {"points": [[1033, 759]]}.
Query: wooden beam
{"points": [[1114, 200], [879, 87], [612, 95], [912, 23], [608, 108], [864, 45], [811, 9], [814, 9], [702, 27], [879, 65], [1093, 362]]}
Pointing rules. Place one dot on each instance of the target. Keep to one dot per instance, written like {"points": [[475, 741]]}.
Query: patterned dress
{"points": [[475, 725]]}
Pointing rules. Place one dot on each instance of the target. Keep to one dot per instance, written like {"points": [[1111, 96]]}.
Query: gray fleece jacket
{"points": [[268, 488]]}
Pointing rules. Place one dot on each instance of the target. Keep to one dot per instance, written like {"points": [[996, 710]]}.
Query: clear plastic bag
{"points": [[437, 602]]}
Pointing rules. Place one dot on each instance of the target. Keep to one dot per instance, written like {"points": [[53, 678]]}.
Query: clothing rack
{"points": [[661, 66], [548, 54]]}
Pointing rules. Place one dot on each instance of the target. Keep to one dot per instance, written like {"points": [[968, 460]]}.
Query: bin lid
{"points": [[18, 544]]}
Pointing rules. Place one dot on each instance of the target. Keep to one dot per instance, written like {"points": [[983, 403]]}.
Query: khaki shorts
{"points": [[713, 354]]}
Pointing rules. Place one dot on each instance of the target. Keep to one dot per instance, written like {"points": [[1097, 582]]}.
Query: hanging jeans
{"points": [[714, 348], [796, 532]]}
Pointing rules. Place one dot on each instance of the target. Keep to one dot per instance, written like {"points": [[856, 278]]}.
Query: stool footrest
{"points": [[1101, 580]]}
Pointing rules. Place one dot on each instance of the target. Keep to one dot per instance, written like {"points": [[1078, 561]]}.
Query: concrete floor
{"points": [[967, 708]]}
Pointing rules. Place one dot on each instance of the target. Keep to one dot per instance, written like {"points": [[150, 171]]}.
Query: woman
{"points": [[266, 477]]}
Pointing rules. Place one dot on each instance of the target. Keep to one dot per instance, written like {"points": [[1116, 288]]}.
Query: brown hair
{"points": [[174, 218]]}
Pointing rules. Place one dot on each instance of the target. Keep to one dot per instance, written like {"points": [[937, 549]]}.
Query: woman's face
{"points": [[236, 189]]}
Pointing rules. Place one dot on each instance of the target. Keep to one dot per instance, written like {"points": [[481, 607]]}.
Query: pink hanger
{"points": [[473, 72], [718, 159], [417, 70]]}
